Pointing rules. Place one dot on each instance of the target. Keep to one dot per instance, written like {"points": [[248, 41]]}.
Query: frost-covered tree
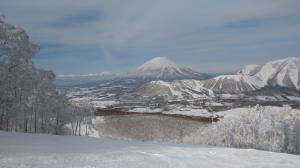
{"points": [[29, 100], [17, 71], [82, 118], [272, 129]]}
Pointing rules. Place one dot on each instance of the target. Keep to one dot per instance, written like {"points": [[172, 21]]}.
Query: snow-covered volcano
{"points": [[163, 68]]}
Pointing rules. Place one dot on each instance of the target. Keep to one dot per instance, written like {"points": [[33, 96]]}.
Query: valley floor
{"points": [[43, 151]]}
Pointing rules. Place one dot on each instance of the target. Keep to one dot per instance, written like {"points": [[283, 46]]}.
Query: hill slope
{"points": [[283, 73], [29, 150]]}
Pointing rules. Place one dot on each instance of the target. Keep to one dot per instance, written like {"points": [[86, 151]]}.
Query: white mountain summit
{"points": [[159, 63], [164, 69]]}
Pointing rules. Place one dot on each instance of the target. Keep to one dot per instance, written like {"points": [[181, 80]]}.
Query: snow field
{"points": [[44, 151]]}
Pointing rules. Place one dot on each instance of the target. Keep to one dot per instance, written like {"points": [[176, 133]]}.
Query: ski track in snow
{"points": [[44, 151]]}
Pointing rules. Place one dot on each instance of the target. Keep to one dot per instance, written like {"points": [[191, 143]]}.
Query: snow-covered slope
{"points": [[162, 68], [250, 70], [29, 150], [175, 89], [206, 88], [233, 83], [284, 73]]}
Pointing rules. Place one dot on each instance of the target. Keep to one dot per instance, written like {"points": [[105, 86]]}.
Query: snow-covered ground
{"points": [[190, 112], [104, 103], [43, 151], [146, 110], [198, 112]]}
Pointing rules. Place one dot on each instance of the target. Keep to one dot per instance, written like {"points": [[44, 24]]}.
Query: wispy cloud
{"points": [[77, 19], [194, 32]]}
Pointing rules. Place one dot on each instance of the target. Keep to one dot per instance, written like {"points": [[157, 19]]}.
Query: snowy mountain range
{"points": [[279, 73], [159, 68], [274, 82], [283, 73]]}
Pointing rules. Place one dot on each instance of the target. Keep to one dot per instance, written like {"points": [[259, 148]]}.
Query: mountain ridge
{"points": [[284, 73]]}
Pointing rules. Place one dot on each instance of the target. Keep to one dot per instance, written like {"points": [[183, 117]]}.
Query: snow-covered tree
{"points": [[82, 118], [272, 129], [29, 100]]}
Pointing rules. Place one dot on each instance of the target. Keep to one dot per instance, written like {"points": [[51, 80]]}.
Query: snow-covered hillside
{"points": [[233, 83], [284, 73], [162, 68], [43, 151], [227, 86], [176, 89], [250, 70]]}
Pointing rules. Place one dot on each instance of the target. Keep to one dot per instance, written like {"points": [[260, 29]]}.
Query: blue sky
{"points": [[90, 36]]}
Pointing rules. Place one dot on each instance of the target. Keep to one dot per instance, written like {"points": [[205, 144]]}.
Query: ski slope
{"points": [[44, 151]]}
